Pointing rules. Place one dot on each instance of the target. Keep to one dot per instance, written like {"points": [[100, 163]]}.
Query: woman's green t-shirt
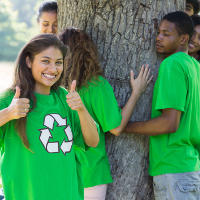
{"points": [[49, 171], [102, 105]]}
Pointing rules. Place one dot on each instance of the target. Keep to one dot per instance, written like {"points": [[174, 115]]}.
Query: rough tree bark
{"points": [[124, 31]]}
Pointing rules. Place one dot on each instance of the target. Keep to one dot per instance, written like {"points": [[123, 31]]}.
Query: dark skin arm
{"points": [[168, 122]]}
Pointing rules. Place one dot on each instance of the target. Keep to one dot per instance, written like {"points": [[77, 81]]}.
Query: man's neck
{"points": [[181, 49]]}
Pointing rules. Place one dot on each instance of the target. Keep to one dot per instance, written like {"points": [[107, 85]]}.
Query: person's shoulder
{"points": [[95, 87], [176, 61], [102, 84], [7, 94], [179, 56], [96, 82], [6, 98], [61, 91], [185, 61]]}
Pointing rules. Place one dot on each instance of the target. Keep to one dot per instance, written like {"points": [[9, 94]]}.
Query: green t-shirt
{"points": [[177, 87], [49, 171], [102, 105]]}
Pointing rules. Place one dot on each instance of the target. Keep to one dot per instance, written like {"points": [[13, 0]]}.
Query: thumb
{"points": [[73, 86], [132, 75], [17, 93]]}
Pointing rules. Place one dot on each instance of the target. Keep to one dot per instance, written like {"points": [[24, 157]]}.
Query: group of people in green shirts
{"points": [[52, 138]]}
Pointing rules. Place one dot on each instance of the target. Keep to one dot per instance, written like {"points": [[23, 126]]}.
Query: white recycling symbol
{"points": [[53, 147]]}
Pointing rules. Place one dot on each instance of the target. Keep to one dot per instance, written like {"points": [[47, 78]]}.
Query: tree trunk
{"points": [[124, 31]]}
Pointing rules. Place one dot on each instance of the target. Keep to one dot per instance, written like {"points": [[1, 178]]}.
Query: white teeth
{"points": [[192, 45], [49, 76]]}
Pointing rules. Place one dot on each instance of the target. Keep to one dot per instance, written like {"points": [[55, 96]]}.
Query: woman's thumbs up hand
{"points": [[73, 99], [19, 107]]}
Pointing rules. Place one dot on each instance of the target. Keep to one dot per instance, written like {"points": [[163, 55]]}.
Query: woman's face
{"points": [[194, 45], [46, 68], [189, 9], [48, 22]]}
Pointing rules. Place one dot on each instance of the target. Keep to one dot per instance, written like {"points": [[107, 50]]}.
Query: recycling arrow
{"points": [[50, 119], [67, 145], [53, 147]]}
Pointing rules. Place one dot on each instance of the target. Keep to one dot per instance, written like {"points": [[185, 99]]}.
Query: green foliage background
{"points": [[18, 23]]}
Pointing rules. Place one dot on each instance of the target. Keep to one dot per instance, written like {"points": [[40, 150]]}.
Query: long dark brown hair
{"points": [[23, 77], [82, 64]]}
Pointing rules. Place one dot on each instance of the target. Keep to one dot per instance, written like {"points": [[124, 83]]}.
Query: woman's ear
{"points": [[28, 62]]}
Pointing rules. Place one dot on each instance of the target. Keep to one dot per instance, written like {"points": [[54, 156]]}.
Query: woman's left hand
{"points": [[141, 82], [74, 100]]}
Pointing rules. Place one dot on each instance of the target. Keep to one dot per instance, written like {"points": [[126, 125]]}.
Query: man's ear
{"points": [[28, 62], [184, 39]]}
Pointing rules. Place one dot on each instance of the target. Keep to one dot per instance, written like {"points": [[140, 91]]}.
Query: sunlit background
{"points": [[18, 23]]}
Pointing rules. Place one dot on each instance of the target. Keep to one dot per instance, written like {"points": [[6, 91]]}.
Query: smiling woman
{"points": [[47, 17], [45, 122], [46, 68], [194, 46]]}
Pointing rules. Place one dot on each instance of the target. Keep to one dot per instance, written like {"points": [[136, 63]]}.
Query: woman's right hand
{"points": [[19, 107], [141, 82]]}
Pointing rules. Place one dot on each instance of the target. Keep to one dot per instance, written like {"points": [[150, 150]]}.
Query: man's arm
{"points": [[168, 122]]}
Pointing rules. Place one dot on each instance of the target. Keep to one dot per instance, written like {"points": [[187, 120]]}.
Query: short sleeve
{"points": [[5, 100], [172, 90], [105, 107]]}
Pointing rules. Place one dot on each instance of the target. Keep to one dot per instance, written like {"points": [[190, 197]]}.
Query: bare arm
{"points": [[88, 126], [89, 129], [138, 87], [168, 122], [17, 109], [4, 116]]}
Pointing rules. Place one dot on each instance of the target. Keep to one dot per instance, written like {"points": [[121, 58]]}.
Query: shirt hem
{"points": [[174, 171], [100, 183]]}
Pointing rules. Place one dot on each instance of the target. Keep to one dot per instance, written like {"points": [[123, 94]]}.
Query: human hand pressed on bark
{"points": [[74, 100], [141, 82], [19, 107]]}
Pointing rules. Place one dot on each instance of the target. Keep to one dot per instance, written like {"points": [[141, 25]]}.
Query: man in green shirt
{"points": [[174, 129]]}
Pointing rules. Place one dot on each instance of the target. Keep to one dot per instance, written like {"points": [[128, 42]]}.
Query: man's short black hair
{"points": [[182, 21], [195, 4]]}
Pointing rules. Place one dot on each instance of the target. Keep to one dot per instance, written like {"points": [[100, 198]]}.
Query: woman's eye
{"points": [[45, 24], [45, 61], [59, 63]]}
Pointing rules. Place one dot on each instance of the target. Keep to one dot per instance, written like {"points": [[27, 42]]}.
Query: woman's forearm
{"points": [[126, 113], [4, 116], [89, 129], [138, 86]]}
